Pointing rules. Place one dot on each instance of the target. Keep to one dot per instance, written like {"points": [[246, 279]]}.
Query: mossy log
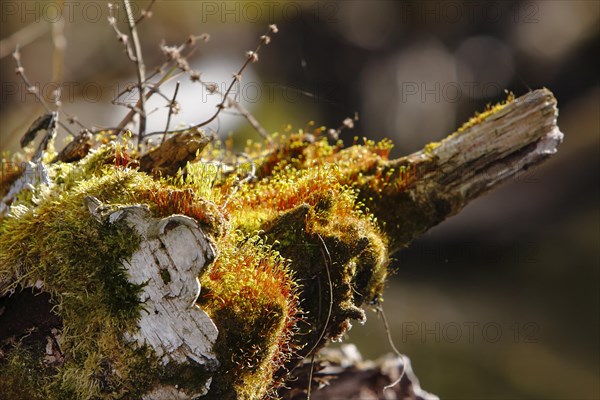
{"points": [[182, 281]]}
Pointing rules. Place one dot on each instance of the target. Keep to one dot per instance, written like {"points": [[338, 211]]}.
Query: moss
{"points": [[479, 117], [282, 239], [53, 239], [22, 373], [430, 147], [251, 296]]}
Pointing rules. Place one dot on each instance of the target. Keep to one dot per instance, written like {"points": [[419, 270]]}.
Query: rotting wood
{"points": [[444, 177]]}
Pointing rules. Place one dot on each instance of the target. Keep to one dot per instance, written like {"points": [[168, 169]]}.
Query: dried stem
{"points": [[141, 69], [252, 56], [32, 89], [250, 118], [121, 37], [155, 88], [171, 108], [147, 13]]}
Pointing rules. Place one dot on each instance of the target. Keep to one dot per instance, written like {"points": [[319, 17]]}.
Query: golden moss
{"points": [[251, 295]]}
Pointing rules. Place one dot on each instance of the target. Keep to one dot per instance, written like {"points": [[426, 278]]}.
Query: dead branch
{"points": [[438, 181]]}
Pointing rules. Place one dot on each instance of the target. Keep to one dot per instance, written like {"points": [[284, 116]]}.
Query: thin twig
{"points": [[328, 263], [171, 108], [147, 13], [72, 119], [310, 376], [252, 56], [251, 119], [21, 73], [141, 69], [23, 37], [32, 89], [121, 37], [60, 43], [379, 310], [165, 78]]}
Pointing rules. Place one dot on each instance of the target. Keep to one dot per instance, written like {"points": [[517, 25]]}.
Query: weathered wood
{"points": [[173, 154], [172, 254], [34, 174], [76, 149], [444, 177]]}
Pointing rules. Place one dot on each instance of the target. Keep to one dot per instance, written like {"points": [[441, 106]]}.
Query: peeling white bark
{"points": [[173, 252], [35, 175]]}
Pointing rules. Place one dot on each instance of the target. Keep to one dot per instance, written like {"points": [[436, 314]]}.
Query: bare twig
{"points": [[23, 37], [165, 78], [172, 107], [141, 69], [60, 44], [328, 262], [121, 37], [72, 119], [379, 309], [251, 56], [32, 89], [251, 119], [147, 13]]}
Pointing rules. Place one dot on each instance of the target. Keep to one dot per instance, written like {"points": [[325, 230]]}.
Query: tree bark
{"points": [[173, 253], [444, 177]]}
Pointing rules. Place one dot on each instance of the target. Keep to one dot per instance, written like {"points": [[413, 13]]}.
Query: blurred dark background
{"points": [[499, 302]]}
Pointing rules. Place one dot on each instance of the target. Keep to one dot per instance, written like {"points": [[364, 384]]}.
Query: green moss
{"points": [[51, 237], [431, 147], [282, 239], [22, 373], [482, 116]]}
